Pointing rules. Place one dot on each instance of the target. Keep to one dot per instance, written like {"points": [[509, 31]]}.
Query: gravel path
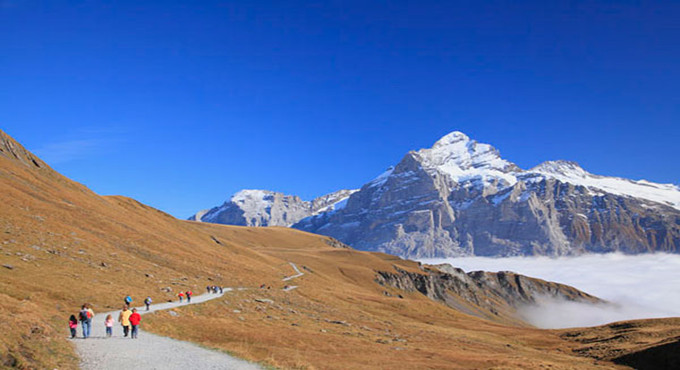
{"points": [[299, 273], [149, 351]]}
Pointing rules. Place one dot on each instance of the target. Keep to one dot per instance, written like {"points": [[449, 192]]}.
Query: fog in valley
{"points": [[642, 286]]}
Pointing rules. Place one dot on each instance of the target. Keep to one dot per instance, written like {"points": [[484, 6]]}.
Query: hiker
{"points": [[73, 324], [189, 294], [221, 291], [147, 302], [124, 320], [207, 289], [128, 300], [108, 323], [181, 296], [135, 318], [86, 315]]}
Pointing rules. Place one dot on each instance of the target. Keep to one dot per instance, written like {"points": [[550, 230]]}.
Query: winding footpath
{"points": [[288, 288], [299, 273], [149, 351]]}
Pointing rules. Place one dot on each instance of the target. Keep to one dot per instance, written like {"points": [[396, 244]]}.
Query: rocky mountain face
{"points": [[269, 208], [461, 198], [483, 294]]}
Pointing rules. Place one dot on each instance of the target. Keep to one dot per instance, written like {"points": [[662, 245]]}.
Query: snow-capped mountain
{"points": [[269, 208], [461, 198]]}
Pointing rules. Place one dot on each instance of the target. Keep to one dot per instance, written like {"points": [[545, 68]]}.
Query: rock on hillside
{"points": [[269, 208], [10, 149], [461, 198]]}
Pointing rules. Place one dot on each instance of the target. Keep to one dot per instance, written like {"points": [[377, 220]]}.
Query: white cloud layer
{"points": [[642, 286]]}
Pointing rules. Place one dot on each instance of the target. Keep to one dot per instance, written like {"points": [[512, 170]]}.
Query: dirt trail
{"points": [[299, 273], [149, 351]]}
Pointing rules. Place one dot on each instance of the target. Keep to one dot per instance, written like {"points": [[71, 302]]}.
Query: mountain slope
{"points": [[461, 198]]}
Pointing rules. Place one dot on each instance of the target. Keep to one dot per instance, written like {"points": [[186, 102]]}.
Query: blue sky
{"points": [[179, 104]]}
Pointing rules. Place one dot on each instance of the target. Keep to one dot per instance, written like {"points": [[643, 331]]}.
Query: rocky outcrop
{"points": [[11, 149], [461, 198], [494, 296], [269, 208]]}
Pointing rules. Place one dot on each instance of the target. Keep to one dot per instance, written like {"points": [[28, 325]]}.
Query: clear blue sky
{"points": [[181, 103]]}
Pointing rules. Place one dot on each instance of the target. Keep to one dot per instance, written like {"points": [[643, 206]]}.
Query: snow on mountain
{"points": [[462, 159], [571, 172], [253, 207], [460, 197]]}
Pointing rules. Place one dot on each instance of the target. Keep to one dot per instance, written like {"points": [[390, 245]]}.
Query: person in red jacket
{"points": [[135, 318]]}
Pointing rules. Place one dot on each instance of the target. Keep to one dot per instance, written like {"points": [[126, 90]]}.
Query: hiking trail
{"points": [[299, 273], [149, 351]]}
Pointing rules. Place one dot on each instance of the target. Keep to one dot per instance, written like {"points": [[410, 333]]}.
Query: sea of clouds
{"points": [[638, 287]]}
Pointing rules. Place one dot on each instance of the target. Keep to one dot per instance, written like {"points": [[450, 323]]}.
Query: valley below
{"points": [[637, 286]]}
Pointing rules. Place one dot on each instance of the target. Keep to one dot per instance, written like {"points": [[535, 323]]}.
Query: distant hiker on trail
{"points": [[124, 320], [128, 300], [207, 289], [135, 318], [108, 323], [73, 324], [86, 314], [221, 291], [189, 294], [147, 302], [181, 296]]}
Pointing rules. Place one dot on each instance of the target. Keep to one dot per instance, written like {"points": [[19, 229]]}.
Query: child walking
{"points": [[109, 325], [73, 324], [135, 318]]}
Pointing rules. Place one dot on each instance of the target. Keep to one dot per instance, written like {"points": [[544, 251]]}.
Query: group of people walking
{"points": [[128, 318], [85, 317], [214, 289], [187, 295]]}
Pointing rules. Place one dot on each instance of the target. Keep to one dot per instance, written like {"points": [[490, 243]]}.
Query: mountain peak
{"points": [[463, 159], [454, 137], [251, 194]]}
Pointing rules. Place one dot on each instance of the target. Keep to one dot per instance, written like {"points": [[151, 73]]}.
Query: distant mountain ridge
{"points": [[269, 208], [460, 197]]}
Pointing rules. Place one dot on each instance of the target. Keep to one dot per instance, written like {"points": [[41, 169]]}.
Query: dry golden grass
{"points": [[67, 245], [339, 318]]}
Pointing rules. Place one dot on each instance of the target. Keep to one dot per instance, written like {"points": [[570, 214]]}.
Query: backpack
{"points": [[83, 315]]}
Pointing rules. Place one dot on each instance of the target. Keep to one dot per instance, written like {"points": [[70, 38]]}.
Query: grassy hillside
{"points": [[62, 245]]}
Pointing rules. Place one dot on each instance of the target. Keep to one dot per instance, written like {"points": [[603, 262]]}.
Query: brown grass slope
{"points": [[62, 245]]}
